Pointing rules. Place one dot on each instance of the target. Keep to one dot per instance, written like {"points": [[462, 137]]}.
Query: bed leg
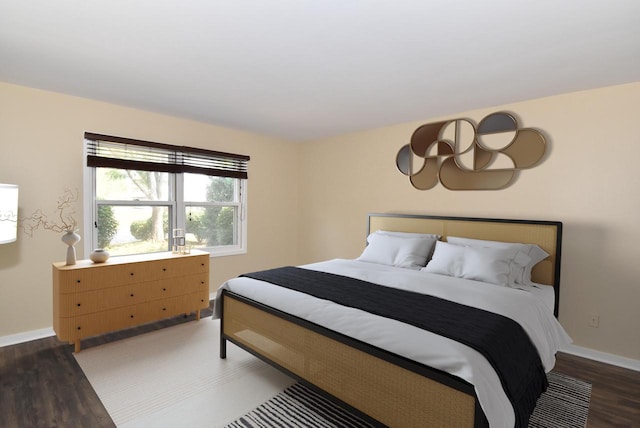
{"points": [[223, 341], [223, 348]]}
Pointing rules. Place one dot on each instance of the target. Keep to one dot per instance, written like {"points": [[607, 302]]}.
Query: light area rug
{"points": [[174, 377]]}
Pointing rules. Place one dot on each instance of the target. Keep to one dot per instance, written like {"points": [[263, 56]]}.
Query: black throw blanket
{"points": [[500, 339]]}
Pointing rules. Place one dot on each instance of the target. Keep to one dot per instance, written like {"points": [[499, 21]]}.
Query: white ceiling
{"points": [[306, 69]]}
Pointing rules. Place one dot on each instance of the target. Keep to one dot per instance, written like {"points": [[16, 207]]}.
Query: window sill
{"points": [[222, 253]]}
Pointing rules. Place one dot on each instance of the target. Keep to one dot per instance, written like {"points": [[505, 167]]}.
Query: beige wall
{"points": [[308, 201], [41, 136], [590, 181]]}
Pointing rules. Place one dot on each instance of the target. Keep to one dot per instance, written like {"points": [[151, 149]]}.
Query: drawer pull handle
{"points": [[164, 309], [131, 274], [201, 282], [78, 304], [202, 300], [131, 316], [79, 328], [78, 281], [164, 269], [164, 289], [131, 294]]}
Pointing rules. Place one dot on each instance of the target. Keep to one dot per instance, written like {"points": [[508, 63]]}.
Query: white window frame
{"points": [[177, 208]]}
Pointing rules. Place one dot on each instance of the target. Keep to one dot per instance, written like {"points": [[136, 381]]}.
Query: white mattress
{"points": [[543, 292], [531, 307]]}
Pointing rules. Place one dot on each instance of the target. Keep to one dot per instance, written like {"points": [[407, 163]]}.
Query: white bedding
{"points": [[532, 308]]}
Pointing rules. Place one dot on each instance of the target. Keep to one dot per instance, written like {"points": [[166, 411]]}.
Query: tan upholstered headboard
{"points": [[546, 234]]}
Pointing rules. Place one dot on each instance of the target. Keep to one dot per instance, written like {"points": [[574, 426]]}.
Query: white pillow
{"points": [[378, 252], [408, 234], [448, 259], [428, 236], [413, 253], [493, 265], [527, 257], [536, 254], [390, 250]]}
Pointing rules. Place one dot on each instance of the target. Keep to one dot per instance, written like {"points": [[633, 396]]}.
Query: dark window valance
{"points": [[126, 153]]}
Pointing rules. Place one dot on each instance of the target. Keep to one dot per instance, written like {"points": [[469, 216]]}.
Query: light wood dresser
{"points": [[94, 298]]}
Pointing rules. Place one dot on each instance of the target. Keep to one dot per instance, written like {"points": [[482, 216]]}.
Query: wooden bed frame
{"points": [[387, 389]]}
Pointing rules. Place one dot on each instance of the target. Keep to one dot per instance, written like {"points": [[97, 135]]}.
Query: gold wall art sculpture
{"points": [[462, 157]]}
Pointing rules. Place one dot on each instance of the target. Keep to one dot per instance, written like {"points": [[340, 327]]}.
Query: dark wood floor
{"points": [[41, 385], [615, 393]]}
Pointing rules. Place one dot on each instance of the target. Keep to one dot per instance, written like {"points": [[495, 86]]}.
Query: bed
{"points": [[370, 367]]}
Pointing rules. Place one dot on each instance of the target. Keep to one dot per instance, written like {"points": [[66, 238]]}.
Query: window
{"points": [[138, 192]]}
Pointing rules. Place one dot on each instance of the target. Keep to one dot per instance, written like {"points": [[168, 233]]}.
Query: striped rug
{"points": [[565, 404]]}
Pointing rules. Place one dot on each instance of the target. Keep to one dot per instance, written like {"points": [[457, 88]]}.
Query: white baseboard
{"points": [[603, 357], [27, 336]]}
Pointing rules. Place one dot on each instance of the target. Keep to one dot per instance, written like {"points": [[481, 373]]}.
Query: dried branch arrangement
{"points": [[64, 219]]}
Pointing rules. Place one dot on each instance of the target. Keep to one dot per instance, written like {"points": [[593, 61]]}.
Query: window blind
{"points": [[126, 153]]}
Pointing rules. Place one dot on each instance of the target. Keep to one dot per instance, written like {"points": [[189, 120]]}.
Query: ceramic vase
{"points": [[99, 255], [71, 238]]}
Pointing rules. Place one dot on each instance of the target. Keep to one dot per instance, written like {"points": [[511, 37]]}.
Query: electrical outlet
{"points": [[594, 319]]}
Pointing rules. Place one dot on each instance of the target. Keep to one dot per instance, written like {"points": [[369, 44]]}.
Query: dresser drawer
{"points": [[170, 287], [177, 305], [178, 266], [199, 299], [100, 322], [169, 307], [81, 303], [73, 281]]}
